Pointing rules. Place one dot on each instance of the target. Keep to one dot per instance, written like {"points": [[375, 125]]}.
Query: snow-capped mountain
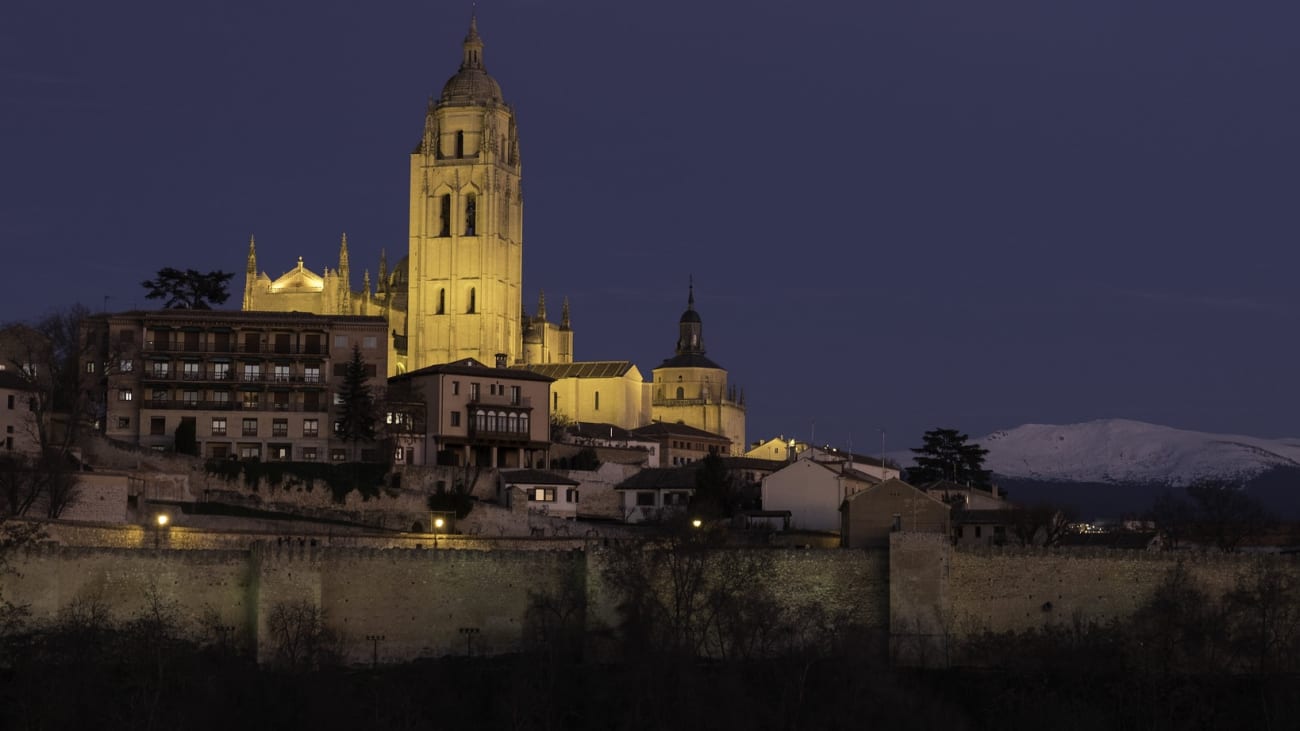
{"points": [[1125, 451]]}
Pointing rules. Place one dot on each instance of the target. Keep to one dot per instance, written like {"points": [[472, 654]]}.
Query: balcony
{"points": [[234, 349], [500, 400], [181, 405], [656, 401]]}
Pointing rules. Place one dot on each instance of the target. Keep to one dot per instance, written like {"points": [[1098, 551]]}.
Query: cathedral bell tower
{"points": [[466, 224]]}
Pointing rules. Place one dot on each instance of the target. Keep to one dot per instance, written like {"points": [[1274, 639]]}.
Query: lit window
{"points": [[250, 427], [191, 398], [252, 372], [125, 394], [280, 428], [282, 373], [192, 370], [127, 365], [311, 374], [221, 371], [310, 427], [218, 426], [309, 454], [542, 495]]}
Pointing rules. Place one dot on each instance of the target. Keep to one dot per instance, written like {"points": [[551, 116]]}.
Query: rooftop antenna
{"points": [[882, 452]]}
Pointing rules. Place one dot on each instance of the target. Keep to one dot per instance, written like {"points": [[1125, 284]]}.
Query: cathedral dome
{"points": [[472, 84]]}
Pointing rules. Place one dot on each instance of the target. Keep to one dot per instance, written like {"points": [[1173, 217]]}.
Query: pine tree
{"points": [[946, 454], [357, 421], [189, 289]]}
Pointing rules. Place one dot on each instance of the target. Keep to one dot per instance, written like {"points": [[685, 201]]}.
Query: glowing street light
{"points": [[161, 521], [438, 523], [697, 523]]}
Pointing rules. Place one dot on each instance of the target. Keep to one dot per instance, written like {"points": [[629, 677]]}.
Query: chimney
{"points": [[501, 360]]}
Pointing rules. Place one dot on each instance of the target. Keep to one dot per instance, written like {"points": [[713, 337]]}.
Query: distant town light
{"points": [[162, 519]]}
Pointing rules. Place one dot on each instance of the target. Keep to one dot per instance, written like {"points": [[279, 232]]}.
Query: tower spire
{"points": [[564, 315], [541, 306], [473, 58], [345, 279], [250, 273], [690, 330]]}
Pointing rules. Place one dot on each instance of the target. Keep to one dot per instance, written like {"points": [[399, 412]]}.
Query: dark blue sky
{"points": [[898, 215]]}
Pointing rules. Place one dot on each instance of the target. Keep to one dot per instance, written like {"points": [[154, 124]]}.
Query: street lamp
{"points": [[161, 520], [437, 527], [469, 633], [374, 641], [697, 523]]}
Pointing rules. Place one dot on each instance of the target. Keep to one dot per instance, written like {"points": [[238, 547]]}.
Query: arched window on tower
{"points": [[503, 219], [681, 393], [472, 301], [442, 302], [460, 143], [444, 215], [471, 214], [598, 401]]}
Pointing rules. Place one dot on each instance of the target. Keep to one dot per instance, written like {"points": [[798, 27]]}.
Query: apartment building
{"points": [[250, 385], [467, 413]]}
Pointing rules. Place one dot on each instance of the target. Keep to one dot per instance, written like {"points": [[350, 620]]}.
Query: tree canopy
{"points": [[357, 420], [947, 454], [189, 289]]}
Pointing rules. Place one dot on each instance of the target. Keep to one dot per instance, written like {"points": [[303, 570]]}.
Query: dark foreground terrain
{"points": [[123, 679]]}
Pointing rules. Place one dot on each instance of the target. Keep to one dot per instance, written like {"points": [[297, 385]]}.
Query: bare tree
{"points": [[302, 639], [48, 356], [1040, 525], [1225, 514], [19, 486]]}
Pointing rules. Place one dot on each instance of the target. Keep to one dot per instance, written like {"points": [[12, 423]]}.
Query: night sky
{"points": [[898, 215]]}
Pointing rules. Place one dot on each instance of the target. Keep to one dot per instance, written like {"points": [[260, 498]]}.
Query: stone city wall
{"points": [[418, 598]]}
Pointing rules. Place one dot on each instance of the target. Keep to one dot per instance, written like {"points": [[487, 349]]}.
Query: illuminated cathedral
{"points": [[458, 291]]}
